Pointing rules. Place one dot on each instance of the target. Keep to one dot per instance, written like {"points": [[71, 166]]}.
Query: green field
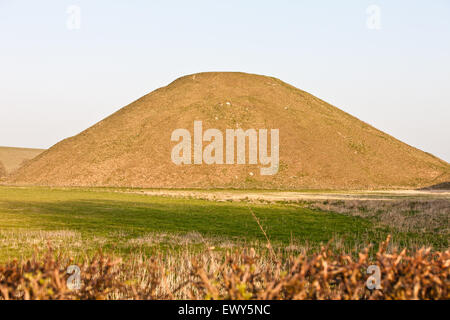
{"points": [[85, 220]]}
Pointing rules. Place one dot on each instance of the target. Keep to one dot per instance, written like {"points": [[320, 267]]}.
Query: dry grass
{"points": [[327, 274], [406, 215], [21, 244]]}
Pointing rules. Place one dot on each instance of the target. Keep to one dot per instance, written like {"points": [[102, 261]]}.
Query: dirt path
{"points": [[290, 196]]}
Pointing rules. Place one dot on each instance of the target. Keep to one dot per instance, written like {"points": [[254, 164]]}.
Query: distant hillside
{"points": [[320, 145], [12, 159]]}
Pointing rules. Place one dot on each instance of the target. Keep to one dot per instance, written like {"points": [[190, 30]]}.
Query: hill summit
{"points": [[180, 136]]}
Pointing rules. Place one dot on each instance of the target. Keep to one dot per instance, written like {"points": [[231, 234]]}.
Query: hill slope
{"points": [[13, 158], [320, 146], [2, 170]]}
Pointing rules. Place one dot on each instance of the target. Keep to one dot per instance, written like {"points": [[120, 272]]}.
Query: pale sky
{"points": [[57, 79]]}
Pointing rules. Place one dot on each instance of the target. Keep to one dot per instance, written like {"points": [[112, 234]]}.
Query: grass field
{"points": [[85, 220]]}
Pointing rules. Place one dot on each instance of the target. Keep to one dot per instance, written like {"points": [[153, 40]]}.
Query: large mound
{"points": [[13, 158], [320, 146]]}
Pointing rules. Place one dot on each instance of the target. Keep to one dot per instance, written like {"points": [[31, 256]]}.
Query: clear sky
{"points": [[61, 72]]}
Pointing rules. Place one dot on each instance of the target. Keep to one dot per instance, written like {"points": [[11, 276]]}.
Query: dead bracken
{"points": [[327, 274]]}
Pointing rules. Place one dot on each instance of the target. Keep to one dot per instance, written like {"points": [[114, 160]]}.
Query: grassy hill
{"points": [[13, 158], [320, 145]]}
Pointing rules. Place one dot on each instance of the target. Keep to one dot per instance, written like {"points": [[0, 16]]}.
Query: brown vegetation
{"points": [[320, 145], [324, 275]]}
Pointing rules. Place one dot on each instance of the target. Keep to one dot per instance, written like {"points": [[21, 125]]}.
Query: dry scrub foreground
{"points": [[422, 274]]}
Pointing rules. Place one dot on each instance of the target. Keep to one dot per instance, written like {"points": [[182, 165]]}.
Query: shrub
{"points": [[241, 275]]}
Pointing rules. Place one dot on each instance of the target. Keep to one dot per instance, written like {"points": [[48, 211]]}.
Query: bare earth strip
{"points": [[290, 196]]}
